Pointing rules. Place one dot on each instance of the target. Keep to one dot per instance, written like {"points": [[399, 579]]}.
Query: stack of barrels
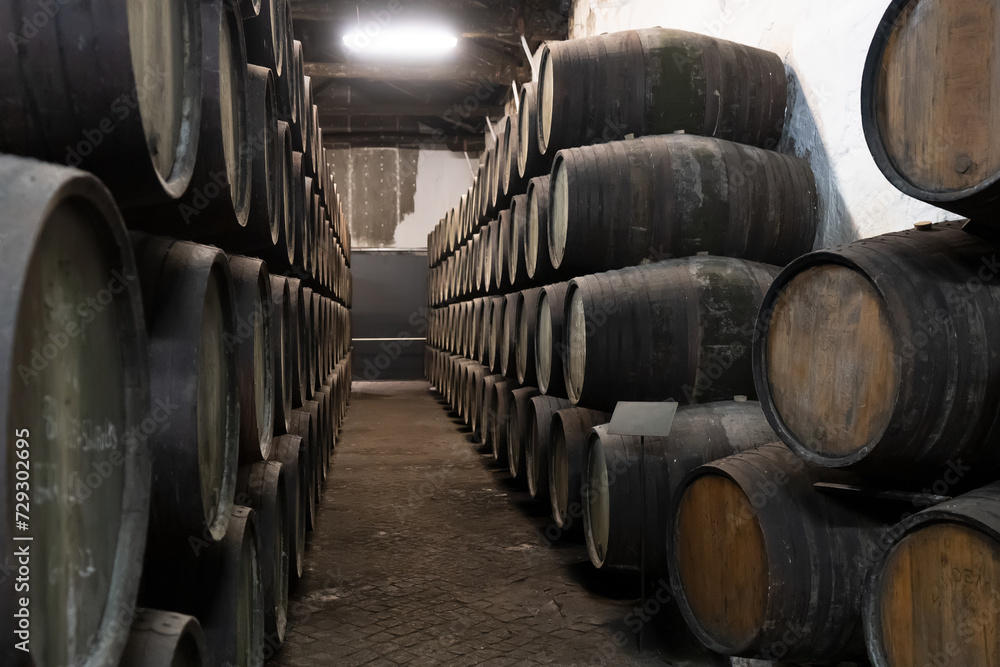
{"points": [[177, 345], [616, 245]]}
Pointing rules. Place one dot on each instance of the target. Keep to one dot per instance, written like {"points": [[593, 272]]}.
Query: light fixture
{"points": [[399, 42]]}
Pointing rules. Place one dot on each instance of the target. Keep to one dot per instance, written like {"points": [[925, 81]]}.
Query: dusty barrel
{"points": [[644, 82], [680, 329], [517, 431], [928, 103], [262, 487], [677, 196], [251, 342], [524, 331], [282, 352], [301, 390], [874, 355], [530, 161], [164, 639], [765, 565], [303, 427], [291, 454], [931, 598], [75, 396], [614, 476], [191, 301], [65, 104], [570, 431], [550, 351], [537, 260], [537, 440]]}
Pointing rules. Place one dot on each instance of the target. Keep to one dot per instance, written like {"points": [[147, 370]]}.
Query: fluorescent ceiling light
{"points": [[399, 42]]}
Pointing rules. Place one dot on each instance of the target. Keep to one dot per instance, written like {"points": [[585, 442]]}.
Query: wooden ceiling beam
{"points": [[483, 72]]}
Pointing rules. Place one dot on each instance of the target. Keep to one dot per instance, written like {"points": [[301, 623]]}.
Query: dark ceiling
{"points": [[441, 105]]}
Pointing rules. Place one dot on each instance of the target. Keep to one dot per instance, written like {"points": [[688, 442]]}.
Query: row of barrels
{"points": [[207, 132], [612, 87], [627, 202], [170, 411]]}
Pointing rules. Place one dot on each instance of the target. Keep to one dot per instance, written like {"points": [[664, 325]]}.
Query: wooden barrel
{"points": [[317, 411], [570, 431], [64, 104], [680, 329], [517, 272], [232, 597], [487, 411], [75, 396], [909, 386], [282, 354], [764, 565], [191, 301], [164, 639], [474, 391], [303, 89], [928, 103], [931, 599], [524, 331], [308, 351], [517, 431], [283, 256], [612, 497], [494, 341], [537, 261], [677, 196], [550, 352], [537, 440], [501, 275], [289, 451], [264, 217], [530, 161], [498, 415], [644, 82], [262, 487], [299, 212], [254, 349], [303, 427], [287, 78], [490, 259], [301, 391], [249, 8], [508, 336], [265, 42]]}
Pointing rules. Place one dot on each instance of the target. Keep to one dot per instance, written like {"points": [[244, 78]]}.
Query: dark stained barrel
{"points": [[65, 104], [282, 352], [498, 413], [496, 333], [517, 431], [530, 161], [570, 431], [283, 256], [501, 273], [487, 408], [265, 41], [188, 290], [613, 505], [303, 427], [524, 331], [764, 565], [536, 446], [621, 203], [508, 336], [164, 639], [289, 451], [645, 82], [932, 597], [75, 398], [301, 390], [261, 487], [490, 259], [875, 355], [232, 597], [537, 260], [251, 342], [929, 103], [680, 329], [517, 271], [550, 351]]}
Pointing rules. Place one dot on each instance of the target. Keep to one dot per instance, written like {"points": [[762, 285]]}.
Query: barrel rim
{"points": [[594, 439], [870, 125], [759, 357]]}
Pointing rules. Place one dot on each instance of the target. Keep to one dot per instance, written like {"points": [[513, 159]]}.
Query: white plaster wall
{"points": [[442, 178], [824, 44]]}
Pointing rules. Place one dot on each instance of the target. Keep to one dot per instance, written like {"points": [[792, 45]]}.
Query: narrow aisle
{"points": [[423, 556]]}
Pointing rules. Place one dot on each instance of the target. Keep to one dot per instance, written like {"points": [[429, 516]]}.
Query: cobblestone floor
{"points": [[426, 555]]}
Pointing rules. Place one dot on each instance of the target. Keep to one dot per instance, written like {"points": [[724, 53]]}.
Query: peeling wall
{"points": [[395, 196], [824, 44]]}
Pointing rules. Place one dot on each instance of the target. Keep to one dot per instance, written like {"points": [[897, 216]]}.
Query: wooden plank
{"points": [[377, 72]]}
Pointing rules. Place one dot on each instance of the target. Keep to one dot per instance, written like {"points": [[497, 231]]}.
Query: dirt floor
{"points": [[425, 554]]}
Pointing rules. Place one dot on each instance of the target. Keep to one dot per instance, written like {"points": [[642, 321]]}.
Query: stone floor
{"points": [[425, 554]]}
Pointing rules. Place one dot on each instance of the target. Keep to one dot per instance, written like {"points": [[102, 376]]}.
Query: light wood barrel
{"points": [[929, 103], [76, 413], [764, 565]]}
